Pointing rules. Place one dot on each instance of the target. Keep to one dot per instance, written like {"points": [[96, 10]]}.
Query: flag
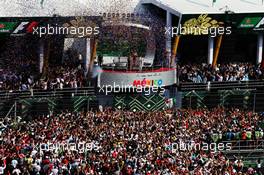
{"points": [[7, 27]]}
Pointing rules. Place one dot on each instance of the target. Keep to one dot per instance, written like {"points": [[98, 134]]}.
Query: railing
{"points": [[252, 100], [227, 85], [248, 149], [43, 101], [239, 145], [122, 66], [38, 93]]}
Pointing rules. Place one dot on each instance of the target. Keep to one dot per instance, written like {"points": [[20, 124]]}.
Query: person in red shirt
{"points": [[244, 135]]}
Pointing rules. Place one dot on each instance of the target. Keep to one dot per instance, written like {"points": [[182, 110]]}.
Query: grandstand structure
{"points": [[172, 14], [138, 19], [156, 48], [140, 29]]}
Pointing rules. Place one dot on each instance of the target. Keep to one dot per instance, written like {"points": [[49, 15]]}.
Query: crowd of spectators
{"points": [[128, 143], [61, 77], [24, 75], [16, 73], [203, 73]]}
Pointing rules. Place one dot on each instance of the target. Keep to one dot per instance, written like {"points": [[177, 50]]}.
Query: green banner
{"points": [[249, 22], [7, 27]]}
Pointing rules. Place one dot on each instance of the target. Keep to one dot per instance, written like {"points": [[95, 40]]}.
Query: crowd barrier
{"points": [[38, 93], [227, 85]]}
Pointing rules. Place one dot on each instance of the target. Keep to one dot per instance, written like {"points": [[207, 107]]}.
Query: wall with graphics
{"points": [[158, 77]]}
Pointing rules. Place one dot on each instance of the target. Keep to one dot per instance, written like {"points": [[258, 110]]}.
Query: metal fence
{"points": [[42, 101], [252, 100], [227, 85], [39, 93], [74, 99], [248, 149]]}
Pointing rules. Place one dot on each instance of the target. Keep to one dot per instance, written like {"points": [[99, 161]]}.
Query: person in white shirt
{"points": [[16, 171], [2, 169], [36, 167], [54, 171], [14, 163]]}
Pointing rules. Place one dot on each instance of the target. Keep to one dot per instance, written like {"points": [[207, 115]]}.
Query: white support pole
{"points": [[259, 48], [87, 54], [41, 56], [168, 37], [210, 50]]}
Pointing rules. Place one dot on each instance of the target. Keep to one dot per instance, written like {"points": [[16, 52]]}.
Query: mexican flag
{"points": [[170, 103]]}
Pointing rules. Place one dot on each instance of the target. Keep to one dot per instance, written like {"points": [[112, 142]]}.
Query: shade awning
{"points": [[178, 7]]}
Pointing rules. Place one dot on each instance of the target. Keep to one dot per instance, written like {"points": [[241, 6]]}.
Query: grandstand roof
{"points": [[30, 8], [17, 8], [207, 6], [35, 8]]}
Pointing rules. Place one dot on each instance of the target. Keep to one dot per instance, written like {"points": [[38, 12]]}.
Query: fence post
{"points": [[88, 104], [16, 111], [254, 103], [190, 102]]}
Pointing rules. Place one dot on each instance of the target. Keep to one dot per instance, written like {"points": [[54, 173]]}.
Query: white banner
{"points": [[159, 77]]}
